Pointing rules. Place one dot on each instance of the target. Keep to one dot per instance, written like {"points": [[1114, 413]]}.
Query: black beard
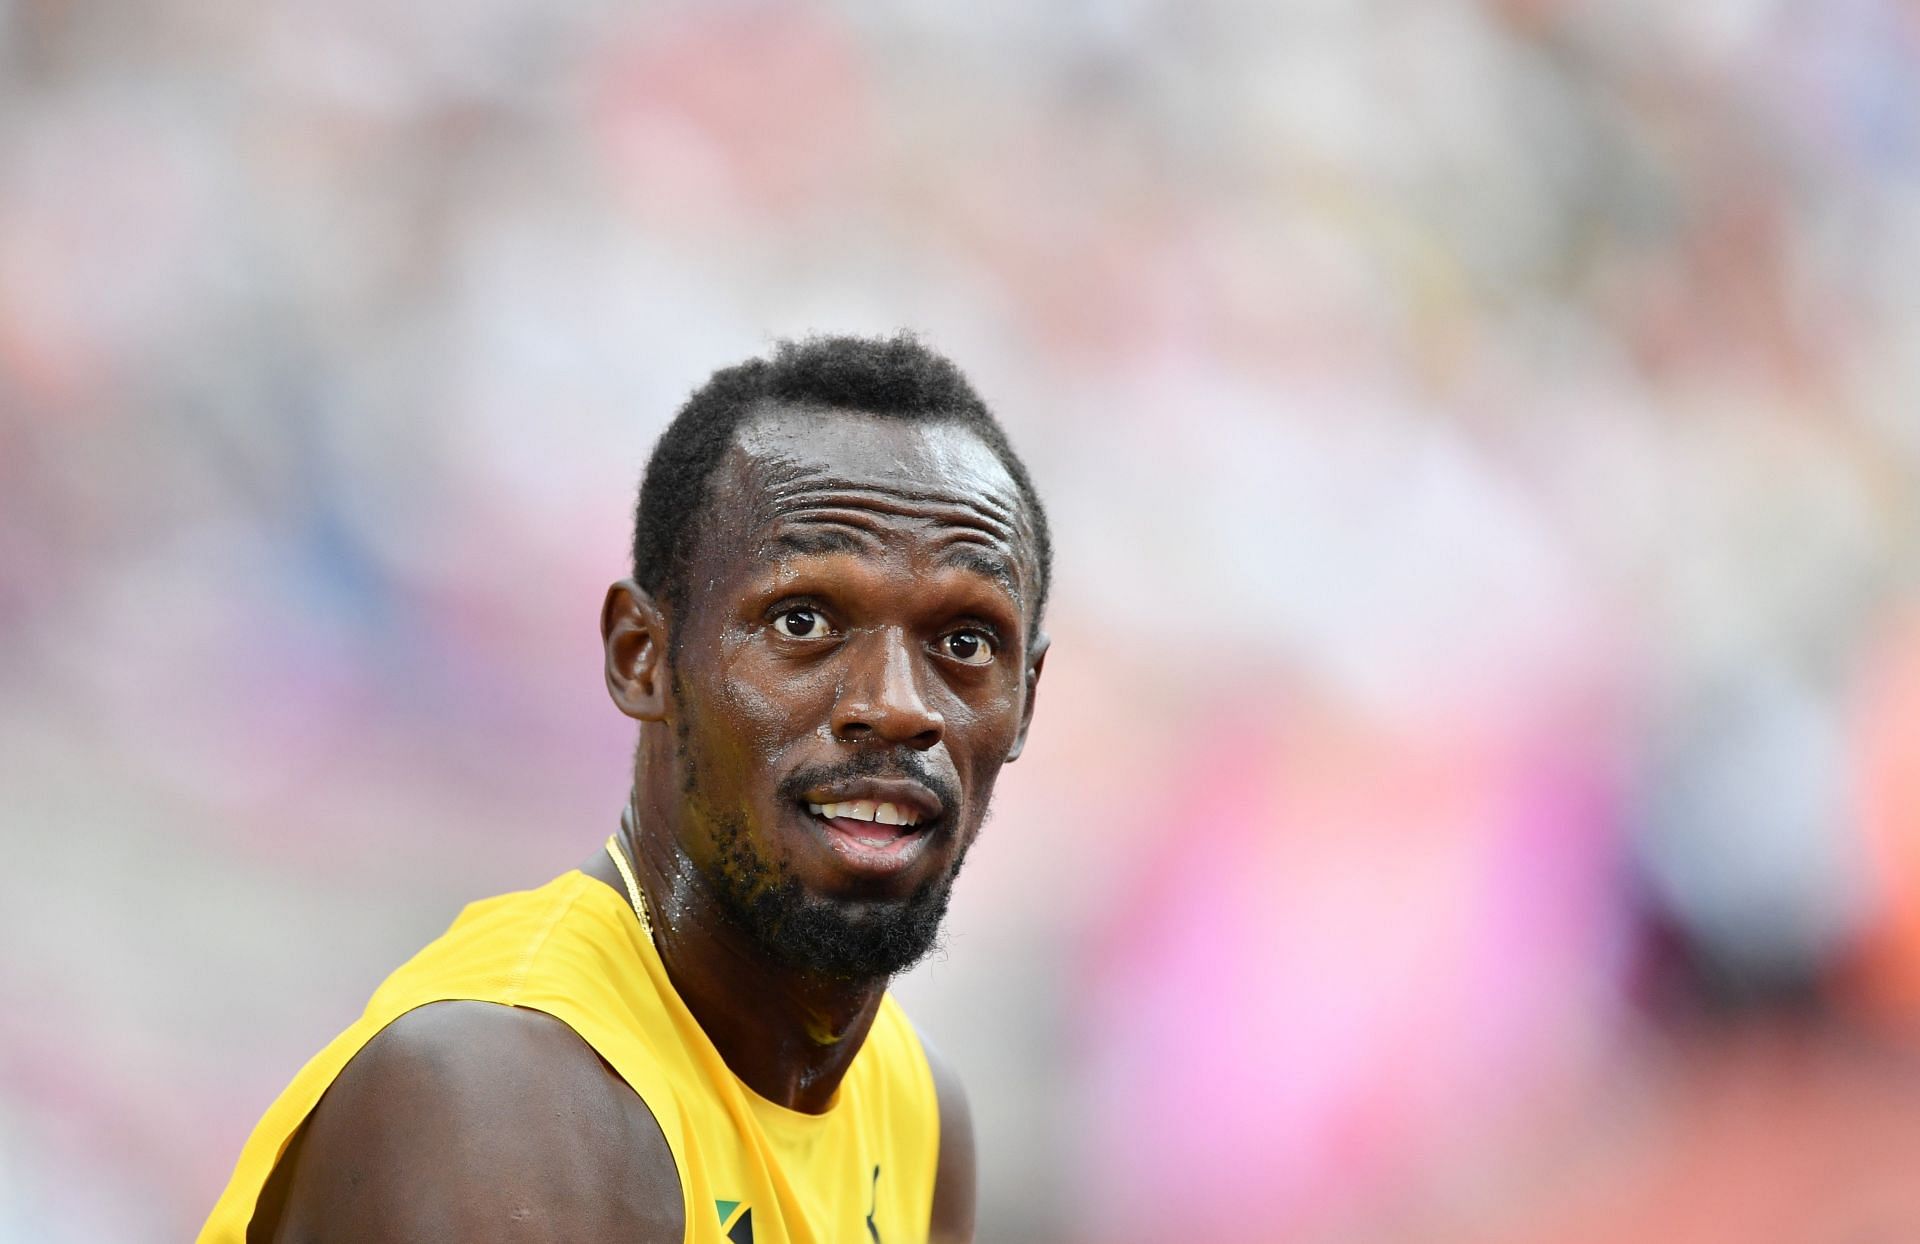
{"points": [[845, 939]]}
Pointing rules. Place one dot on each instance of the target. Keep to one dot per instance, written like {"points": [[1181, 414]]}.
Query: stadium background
{"points": [[1476, 789]]}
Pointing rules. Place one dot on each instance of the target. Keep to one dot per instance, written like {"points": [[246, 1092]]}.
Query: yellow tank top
{"points": [[750, 1170]]}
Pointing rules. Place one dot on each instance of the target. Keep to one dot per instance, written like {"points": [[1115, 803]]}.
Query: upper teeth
{"points": [[866, 810]]}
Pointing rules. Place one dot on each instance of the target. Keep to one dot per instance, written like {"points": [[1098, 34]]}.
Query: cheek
{"points": [[988, 727], [724, 731], [769, 706]]}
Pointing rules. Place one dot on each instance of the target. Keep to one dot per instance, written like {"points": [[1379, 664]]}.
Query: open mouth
{"points": [[876, 835]]}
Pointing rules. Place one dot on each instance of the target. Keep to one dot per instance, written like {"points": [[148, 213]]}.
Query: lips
{"points": [[880, 812], [876, 826], [862, 798]]}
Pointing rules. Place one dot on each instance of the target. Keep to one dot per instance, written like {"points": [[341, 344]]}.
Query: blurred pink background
{"points": [[1476, 788]]}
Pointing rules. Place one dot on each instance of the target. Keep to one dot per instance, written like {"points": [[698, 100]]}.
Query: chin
{"points": [[848, 936], [859, 940]]}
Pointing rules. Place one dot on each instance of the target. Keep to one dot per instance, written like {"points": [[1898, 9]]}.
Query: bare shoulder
{"points": [[955, 1179], [476, 1122]]}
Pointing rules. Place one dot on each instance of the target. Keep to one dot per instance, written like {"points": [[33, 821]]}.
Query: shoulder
{"points": [[954, 1180], [475, 1121]]}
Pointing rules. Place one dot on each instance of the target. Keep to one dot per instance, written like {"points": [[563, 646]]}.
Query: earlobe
{"points": [[633, 633], [1034, 665]]}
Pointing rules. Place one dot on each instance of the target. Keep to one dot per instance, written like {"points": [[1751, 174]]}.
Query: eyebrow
{"points": [[983, 562], [815, 541]]}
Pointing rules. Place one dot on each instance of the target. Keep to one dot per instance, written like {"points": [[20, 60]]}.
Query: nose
{"points": [[881, 699]]}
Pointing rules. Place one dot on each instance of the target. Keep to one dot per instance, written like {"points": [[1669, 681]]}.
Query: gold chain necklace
{"points": [[634, 896]]}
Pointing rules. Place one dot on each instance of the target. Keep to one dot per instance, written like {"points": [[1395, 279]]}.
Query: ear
{"points": [[633, 630], [1035, 661]]}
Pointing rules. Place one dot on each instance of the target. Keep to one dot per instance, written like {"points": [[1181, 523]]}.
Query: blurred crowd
{"points": [[1475, 793]]}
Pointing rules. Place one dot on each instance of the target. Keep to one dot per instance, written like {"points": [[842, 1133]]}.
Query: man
{"points": [[831, 642]]}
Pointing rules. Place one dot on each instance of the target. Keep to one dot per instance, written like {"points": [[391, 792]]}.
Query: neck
{"points": [[787, 1033]]}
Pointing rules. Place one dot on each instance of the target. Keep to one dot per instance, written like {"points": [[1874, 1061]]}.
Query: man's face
{"points": [[850, 671]]}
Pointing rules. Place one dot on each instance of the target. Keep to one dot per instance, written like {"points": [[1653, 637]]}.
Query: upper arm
{"points": [[954, 1179], [468, 1121]]}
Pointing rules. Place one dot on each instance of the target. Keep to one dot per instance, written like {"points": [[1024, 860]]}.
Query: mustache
{"points": [[909, 765]]}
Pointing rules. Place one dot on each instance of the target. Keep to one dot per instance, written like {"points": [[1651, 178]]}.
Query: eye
{"points": [[802, 622], [969, 647]]}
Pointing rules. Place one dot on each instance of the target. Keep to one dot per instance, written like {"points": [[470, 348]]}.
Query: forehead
{"points": [[787, 464], [784, 444]]}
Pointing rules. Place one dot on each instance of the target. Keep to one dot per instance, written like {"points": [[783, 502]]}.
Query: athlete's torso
{"points": [[749, 1170]]}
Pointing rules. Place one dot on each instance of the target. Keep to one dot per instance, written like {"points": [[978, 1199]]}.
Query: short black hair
{"points": [[895, 377]]}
